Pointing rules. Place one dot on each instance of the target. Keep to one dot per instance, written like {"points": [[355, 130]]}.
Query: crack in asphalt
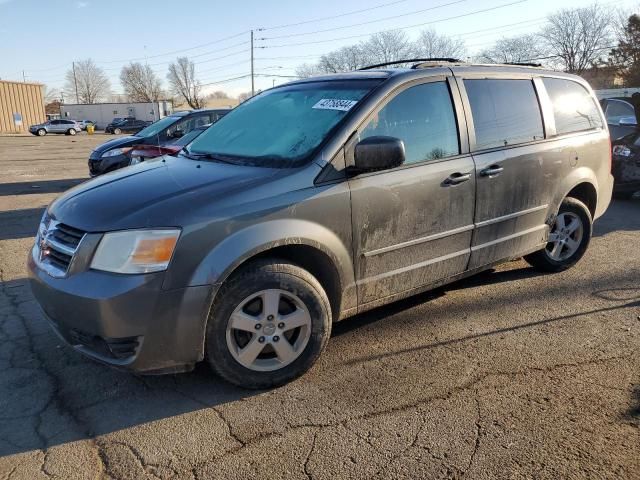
{"points": [[478, 429], [305, 467], [54, 398]]}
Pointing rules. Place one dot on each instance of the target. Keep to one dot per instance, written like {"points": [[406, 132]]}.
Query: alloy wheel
{"points": [[268, 330], [565, 237]]}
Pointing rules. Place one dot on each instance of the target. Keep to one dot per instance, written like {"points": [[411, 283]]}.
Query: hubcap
{"points": [[268, 330], [565, 236]]}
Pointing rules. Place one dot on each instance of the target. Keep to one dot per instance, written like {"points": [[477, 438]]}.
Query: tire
{"points": [[117, 131], [41, 132], [558, 256], [282, 354], [71, 131]]}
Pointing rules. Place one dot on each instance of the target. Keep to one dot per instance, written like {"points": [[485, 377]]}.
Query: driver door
{"points": [[412, 225]]}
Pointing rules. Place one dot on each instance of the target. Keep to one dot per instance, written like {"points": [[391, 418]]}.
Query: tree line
{"points": [[578, 40]]}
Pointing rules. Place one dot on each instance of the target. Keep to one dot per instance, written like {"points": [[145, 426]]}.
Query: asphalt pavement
{"points": [[509, 374]]}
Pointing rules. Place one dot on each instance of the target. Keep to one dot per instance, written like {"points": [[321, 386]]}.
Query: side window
{"points": [[505, 112], [573, 107], [202, 120], [56, 122], [617, 109], [423, 118]]}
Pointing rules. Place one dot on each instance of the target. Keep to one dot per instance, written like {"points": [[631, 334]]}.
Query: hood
{"points": [[153, 194], [117, 142]]}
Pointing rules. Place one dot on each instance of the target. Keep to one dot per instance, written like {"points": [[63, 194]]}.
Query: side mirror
{"points": [[628, 122], [379, 153]]}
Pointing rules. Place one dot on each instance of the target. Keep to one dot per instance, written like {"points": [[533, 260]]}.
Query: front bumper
{"points": [[626, 171], [126, 321]]}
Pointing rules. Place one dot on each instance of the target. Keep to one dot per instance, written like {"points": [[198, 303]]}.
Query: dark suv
{"points": [[111, 155], [317, 200]]}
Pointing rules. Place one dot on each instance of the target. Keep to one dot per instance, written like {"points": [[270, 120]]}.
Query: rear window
{"points": [[573, 107], [505, 112]]}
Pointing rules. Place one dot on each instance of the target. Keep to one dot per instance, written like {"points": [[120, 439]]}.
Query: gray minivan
{"points": [[317, 200]]}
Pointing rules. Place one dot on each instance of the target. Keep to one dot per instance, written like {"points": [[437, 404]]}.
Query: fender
{"points": [[253, 240], [575, 178]]}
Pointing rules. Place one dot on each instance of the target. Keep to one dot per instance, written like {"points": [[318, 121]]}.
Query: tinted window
{"points": [[573, 108], [617, 109], [423, 118], [505, 112]]}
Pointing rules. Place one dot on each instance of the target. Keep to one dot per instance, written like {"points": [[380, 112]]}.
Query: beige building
{"points": [[21, 105]]}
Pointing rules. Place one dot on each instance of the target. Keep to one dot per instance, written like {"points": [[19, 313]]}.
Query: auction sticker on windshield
{"points": [[335, 104]]}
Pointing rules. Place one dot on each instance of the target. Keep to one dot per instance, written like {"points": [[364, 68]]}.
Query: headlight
{"points": [[622, 151], [114, 152], [135, 251]]}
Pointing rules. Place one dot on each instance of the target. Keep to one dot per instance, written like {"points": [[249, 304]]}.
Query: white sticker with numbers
{"points": [[335, 104]]}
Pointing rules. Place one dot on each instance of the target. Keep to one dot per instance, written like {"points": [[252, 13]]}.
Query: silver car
{"points": [[68, 127]]}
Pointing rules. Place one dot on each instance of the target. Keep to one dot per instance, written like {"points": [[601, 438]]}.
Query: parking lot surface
{"points": [[509, 374]]}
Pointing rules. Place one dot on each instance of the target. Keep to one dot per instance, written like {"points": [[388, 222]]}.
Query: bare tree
{"points": [[50, 95], [88, 84], [183, 82], [524, 48], [579, 37], [431, 44], [388, 46], [140, 83]]}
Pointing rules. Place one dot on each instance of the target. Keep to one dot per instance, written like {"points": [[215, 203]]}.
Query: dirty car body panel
{"points": [[384, 234]]}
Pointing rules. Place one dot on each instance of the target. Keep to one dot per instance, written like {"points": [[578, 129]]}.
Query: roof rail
{"points": [[416, 62], [524, 64]]}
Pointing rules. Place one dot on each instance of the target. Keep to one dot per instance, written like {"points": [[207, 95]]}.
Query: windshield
{"points": [[283, 126], [156, 127]]}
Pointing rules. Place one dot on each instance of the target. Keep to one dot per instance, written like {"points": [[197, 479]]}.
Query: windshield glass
{"points": [[283, 126], [157, 127]]}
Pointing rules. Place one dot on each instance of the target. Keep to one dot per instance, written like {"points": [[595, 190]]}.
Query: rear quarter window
{"points": [[505, 112], [574, 109]]}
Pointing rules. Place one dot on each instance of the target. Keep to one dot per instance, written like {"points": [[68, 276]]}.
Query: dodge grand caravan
{"points": [[317, 200]]}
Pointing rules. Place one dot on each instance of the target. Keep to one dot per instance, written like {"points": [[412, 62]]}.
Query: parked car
{"points": [[143, 153], [85, 123], [626, 165], [112, 155], [317, 200], [620, 115], [128, 125], [68, 127]]}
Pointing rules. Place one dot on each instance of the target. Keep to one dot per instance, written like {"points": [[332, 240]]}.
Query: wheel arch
{"points": [[304, 243], [582, 185]]}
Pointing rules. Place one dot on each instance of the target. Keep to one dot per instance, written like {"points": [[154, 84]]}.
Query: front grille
{"points": [[56, 244]]}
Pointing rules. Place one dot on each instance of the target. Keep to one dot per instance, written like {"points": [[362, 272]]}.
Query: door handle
{"points": [[491, 171], [457, 178]]}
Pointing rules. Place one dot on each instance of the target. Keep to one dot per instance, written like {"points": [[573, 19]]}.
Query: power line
{"points": [[476, 12], [367, 22], [331, 17]]}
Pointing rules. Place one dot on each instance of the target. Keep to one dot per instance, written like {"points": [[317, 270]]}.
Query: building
{"points": [[21, 105], [104, 113]]}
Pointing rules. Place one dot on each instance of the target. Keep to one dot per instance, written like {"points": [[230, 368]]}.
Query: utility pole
{"points": [[252, 84], [24, 78], [75, 81]]}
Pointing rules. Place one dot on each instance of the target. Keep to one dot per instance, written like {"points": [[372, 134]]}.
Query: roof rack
{"points": [[417, 62], [524, 64]]}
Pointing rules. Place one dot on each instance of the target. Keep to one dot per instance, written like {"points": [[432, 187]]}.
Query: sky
{"points": [[40, 40]]}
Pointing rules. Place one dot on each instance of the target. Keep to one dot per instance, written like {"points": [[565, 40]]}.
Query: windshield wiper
{"points": [[203, 156]]}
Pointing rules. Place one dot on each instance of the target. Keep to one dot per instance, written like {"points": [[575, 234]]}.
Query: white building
{"points": [[104, 113]]}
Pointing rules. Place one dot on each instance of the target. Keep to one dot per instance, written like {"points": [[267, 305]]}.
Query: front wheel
{"points": [[42, 132], [568, 240], [117, 131], [268, 325]]}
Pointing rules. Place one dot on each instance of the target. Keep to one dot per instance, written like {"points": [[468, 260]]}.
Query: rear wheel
{"points": [[71, 131], [42, 132], [568, 240], [268, 325]]}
